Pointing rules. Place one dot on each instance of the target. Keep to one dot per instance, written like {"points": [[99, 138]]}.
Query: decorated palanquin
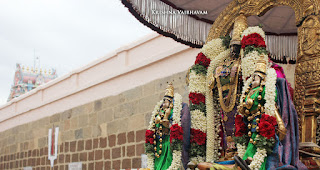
{"points": [[168, 134]]}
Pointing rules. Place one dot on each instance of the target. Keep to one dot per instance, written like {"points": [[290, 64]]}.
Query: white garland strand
{"points": [[213, 116], [176, 119], [258, 159], [150, 161], [244, 88], [177, 107], [249, 61], [213, 48], [199, 120], [270, 92], [154, 112], [197, 83], [241, 150], [176, 160]]}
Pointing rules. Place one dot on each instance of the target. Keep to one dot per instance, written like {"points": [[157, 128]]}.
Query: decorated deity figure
{"points": [[215, 87], [168, 134], [266, 128]]}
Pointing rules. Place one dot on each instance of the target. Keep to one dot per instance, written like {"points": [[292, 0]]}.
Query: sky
{"points": [[64, 34]]}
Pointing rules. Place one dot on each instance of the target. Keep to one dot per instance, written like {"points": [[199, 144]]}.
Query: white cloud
{"points": [[65, 33]]}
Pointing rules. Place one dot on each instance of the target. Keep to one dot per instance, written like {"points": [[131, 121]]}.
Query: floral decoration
{"points": [[240, 126], [176, 134], [202, 60], [253, 39], [197, 98], [198, 137]]}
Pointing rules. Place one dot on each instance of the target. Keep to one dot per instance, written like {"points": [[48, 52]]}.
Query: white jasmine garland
{"points": [[213, 48], [213, 116], [154, 112], [150, 161], [248, 63], [176, 160], [176, 119], [197, 159], [197, 82], [177, 107], [270, 92], [244, 88], [251, 30], [258, 159], [199, 120], [241, 150]]}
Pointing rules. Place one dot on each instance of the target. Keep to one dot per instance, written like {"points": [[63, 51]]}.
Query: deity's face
{"points": [[235, 50], [256, 81], [166, 103]]}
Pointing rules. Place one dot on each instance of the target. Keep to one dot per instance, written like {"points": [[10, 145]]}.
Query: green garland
{"points": [[148, 148], [197, 150], [226, 41], [260, 50], [265, 143], [176, 145], [242, 140], [201, 106], [199, 69]]}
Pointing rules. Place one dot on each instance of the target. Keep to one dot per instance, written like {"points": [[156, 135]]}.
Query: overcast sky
{"points": [[65, 34]]}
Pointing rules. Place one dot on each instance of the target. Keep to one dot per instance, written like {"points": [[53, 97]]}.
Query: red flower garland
{"points": [[271, 119], [240, 126], [267, 126], [176, 132], [149, 137], [196, 98], [197, 136], [253, 39], [202, 60]]}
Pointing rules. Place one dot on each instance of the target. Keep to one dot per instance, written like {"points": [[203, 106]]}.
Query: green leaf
{"points": [[201, 107], [199, 69], [226, 41]]}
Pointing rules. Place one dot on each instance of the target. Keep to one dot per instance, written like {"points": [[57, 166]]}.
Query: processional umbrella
{"points": [[189, 22]]}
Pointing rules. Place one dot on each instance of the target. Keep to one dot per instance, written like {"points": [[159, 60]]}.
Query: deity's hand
{"points": [[166, 123], [212, 82], [281, 130]]}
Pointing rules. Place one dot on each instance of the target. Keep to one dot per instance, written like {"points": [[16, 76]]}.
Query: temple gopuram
{"points": [[26, 79]]}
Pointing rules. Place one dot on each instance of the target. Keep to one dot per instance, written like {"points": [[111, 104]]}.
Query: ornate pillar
{"points": [[307, 78]]}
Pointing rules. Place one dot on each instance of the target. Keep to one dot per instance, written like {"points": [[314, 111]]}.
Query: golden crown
{"points": [[261, 68], [169, 91], [240, 24]]}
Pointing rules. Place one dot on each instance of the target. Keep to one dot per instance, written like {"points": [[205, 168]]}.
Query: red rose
{"points": [[270, 119], [240, 126], [196, 98], [197, 136], [266, 129], [202, 60], [176, 132], [253, 39], [149, 136]]}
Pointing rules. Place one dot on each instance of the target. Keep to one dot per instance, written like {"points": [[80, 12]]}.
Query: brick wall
{"points": [[103, 134]]}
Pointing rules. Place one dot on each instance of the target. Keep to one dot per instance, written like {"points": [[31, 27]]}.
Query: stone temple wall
{"points": [[104, 134]]}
